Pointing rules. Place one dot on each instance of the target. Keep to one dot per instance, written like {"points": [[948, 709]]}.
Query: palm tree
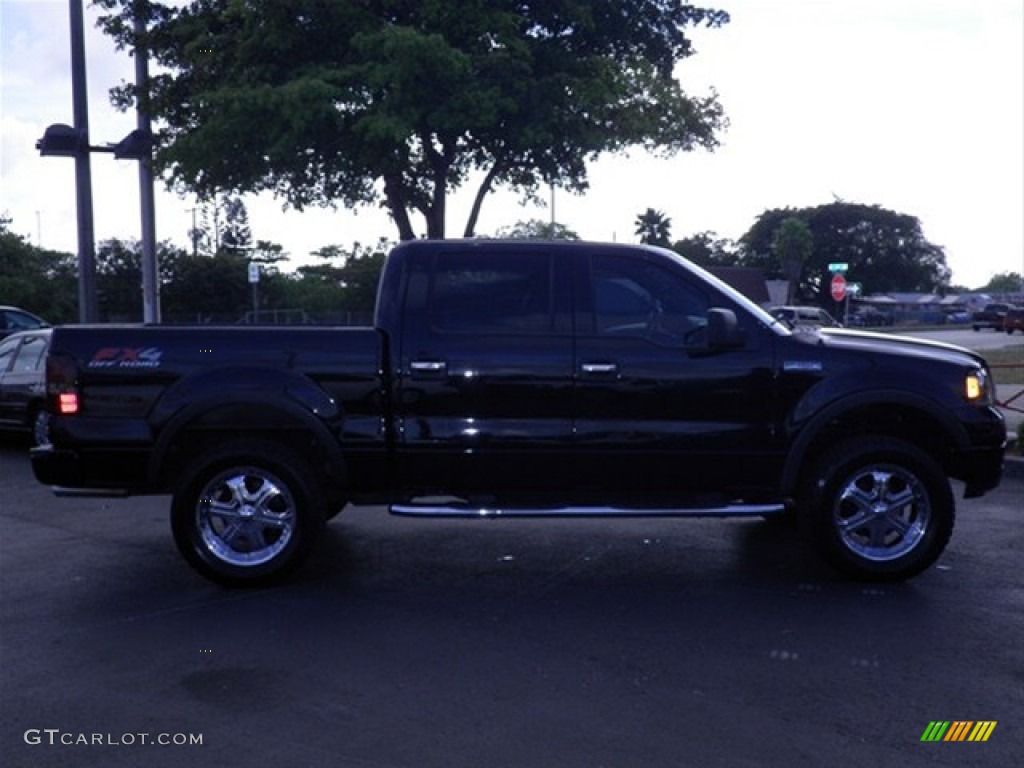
{"points": [[654, 228]]}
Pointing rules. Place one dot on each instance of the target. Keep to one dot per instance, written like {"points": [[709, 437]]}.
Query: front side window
{"points": [[505, 293], [635, 297]]}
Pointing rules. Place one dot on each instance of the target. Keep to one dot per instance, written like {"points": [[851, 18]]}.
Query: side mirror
{"points": [[723, 330]]}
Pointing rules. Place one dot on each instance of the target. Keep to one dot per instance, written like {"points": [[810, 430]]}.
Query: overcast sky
{"points": [[914, 105]]}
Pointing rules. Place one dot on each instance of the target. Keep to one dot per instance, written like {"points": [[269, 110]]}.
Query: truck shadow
{"points": [[382, 552]]}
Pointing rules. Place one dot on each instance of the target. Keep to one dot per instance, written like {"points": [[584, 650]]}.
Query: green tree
{"points": [[361, 275], [537, 229], [119, 277], [343, 281], [208, 289], [119, 280], [792, 244], [366, 101], [654, 228], [1004, 282], [41, 281], [887, 251], [223, 223], [707, 249], [236, 233], [319, 288]]}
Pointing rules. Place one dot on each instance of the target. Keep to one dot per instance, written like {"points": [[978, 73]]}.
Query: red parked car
{"points": [[1014, 320]]}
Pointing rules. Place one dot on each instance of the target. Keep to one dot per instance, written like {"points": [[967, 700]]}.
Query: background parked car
{"points": [[991, 316], [957, 316], [866, 317], [1014, 320], [23, 382], [805, 317], [13, 320]]}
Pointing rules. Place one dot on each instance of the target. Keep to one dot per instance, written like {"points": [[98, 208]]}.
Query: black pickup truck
{"points": [[508, 378]]}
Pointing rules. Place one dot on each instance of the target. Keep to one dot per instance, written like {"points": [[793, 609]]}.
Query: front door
{"points": [[658, 414]]}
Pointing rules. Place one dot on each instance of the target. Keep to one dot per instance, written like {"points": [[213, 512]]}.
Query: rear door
{"points": [[485, 369], [21, 379], [657, 413]]}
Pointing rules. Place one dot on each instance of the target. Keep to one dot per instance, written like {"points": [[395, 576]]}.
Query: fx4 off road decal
{"points": [[126, 357]]}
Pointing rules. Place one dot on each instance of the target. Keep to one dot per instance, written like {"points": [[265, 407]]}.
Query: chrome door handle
{"points": [[428, 367], [599, 369]]}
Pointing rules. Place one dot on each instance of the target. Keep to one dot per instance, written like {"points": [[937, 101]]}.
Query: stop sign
{"points": [[838, 287]]}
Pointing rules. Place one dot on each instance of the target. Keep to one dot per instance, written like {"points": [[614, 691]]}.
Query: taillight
{"points": [[62, 383]]}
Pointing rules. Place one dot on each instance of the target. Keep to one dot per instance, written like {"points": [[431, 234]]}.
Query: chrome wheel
{"points": [[878, 508], [245, 516], [882, 513]]}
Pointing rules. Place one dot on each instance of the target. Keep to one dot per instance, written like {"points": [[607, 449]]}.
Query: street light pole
{"points": [[87, 309], [150, 271]]}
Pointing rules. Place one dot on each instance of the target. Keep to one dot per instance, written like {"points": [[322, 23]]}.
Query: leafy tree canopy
{"points": [[41, 281], [886, 251], [536, 229], [392, 101], [792, 244], [1004, 282], [707, 249]]}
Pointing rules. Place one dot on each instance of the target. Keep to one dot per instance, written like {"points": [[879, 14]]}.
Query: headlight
{"points": [[976, 385]]}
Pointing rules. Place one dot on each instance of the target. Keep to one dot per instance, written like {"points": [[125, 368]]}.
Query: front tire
{"points": [[247, 513], [878, 509]]}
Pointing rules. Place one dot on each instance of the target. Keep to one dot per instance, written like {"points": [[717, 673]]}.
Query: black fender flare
{"points": [[810, 430], [296, 398]]}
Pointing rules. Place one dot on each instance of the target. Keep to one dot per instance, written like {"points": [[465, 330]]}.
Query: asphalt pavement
{"points": [[491, 643]]}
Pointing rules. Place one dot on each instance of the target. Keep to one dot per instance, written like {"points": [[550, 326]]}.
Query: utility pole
{"points": [[551, 234], [194, 233]]}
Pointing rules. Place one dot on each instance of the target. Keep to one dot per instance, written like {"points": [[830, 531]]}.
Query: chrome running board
{"points": [[89, 493], [468, 510]]}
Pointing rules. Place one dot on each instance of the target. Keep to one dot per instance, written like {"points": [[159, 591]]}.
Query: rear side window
{"points": [[504, 293], [31, 355], [7, 348]]}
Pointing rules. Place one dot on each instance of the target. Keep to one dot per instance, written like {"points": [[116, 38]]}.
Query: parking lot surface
{"points": [[415, 644]]}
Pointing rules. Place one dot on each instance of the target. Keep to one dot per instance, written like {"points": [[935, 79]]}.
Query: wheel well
{"points": [[232, 423], [885, 420], [33, 407]]}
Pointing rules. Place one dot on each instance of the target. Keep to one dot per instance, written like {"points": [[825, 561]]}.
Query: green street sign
{"points": [[838, 266]]}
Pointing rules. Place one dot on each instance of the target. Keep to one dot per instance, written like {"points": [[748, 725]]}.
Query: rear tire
{"points": [[39, 426], [878, 508], [247, 513]]}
